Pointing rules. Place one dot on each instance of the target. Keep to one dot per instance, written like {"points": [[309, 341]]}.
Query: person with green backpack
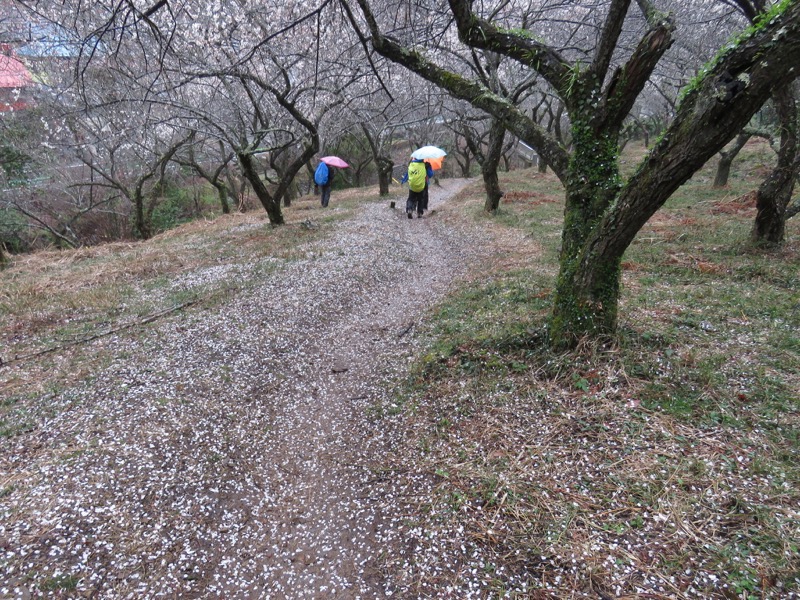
{"points": [[417, 176]]}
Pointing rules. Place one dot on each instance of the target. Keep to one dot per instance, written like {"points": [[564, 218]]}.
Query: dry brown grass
{"points": [[663, 467], [51, 299]]}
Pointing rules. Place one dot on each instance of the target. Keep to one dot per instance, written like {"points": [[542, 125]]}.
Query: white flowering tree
{"points": [[258, 79]]}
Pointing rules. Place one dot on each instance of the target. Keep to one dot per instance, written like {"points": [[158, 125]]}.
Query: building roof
{"points": [[13, 74]]}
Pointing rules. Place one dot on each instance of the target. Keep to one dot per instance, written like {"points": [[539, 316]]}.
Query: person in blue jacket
{"points": [[323, 179]]}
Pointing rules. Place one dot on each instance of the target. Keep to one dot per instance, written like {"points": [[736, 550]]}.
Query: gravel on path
{"points": [[228, 452]]}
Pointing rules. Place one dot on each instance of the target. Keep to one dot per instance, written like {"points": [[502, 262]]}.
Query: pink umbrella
{"points": [[334, 161]]}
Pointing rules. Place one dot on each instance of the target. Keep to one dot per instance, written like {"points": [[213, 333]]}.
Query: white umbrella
{"points": [[428, 152]]}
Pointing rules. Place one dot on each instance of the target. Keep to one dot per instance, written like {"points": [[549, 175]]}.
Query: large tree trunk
{"points": [[222, 192], [588, 285], [775, 192], [385, 166], [465, 165], [290, 194], [383, 163], [141, 222], [489, 164], [489, 160], [235, 190], [272, 207], [726, 158]]}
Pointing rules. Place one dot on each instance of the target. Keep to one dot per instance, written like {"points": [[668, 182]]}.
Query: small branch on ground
{"points": [[406, 330], [148, 319]]}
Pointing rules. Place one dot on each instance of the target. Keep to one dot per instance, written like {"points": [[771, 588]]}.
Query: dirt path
{"points": [[229, 452]]}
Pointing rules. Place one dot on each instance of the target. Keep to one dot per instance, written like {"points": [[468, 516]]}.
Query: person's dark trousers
{"points": [[326, 195], [424, 205], [415, 201]]}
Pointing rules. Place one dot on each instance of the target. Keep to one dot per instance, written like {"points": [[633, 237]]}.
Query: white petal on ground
{"points": [[221, 455]]}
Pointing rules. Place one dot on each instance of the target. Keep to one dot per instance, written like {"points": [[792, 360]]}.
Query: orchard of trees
{"points": [[143, 109]]}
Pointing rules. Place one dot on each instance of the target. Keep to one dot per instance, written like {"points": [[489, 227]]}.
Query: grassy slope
{"points": [[665, 466]]}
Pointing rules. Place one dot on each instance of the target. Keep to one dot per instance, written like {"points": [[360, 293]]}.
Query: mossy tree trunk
{"points": [[237, 187], [588, 284], [488, 159], [290, 195], [385, 166], [464, 159], [223, 190], [726, 158], [491, 184], [222, 194], [379, 145], [141, 223], [490, 164]]}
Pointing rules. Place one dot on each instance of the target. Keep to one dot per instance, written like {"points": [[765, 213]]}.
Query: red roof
{"points": [[13, 73]]}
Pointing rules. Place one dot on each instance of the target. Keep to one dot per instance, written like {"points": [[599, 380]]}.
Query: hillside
{"points": [[358, 405]]}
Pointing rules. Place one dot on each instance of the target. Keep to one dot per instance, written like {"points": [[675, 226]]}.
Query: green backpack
{"points": [[416, 176]]}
